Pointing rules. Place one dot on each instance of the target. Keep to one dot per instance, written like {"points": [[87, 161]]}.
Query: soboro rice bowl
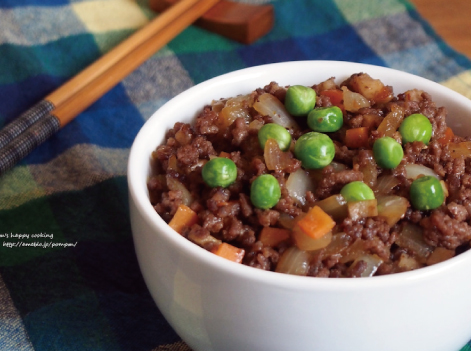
{"points": [[216, 304], [397, 147]]}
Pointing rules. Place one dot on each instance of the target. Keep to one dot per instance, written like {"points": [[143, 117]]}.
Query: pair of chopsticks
{"points": [[36, 125]]}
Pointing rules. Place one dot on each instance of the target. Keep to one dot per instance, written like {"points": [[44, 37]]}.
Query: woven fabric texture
{"points": [[69, 278]]}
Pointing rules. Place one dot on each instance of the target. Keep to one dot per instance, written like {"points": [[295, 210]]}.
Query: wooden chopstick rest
{"points": [[241, 22]]}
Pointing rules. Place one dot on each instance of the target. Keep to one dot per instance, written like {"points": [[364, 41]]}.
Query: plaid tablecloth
{"points": [[80, 287]]}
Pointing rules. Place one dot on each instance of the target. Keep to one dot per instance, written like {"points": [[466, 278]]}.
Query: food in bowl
{"points": [[336, 179], [215, 304]]}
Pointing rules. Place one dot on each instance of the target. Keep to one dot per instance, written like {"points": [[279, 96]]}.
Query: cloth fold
{"points": [[69, 278]]}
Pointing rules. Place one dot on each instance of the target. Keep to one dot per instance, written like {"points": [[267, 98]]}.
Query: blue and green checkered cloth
{"points": [[80, 288]]}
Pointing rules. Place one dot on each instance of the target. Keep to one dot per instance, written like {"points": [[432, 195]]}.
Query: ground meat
{"points": [[267, 218], [206, 122], [169, 203], [458, 212], [276, 90], [163, 152], [356, 269], [323, 101], [358, 239], [245, 205], [344, 154], [442, 230], [203, 147], [218, 197], [211, 222], [366, 228], [188, 155], [332, 181], [202, 237], [240, 131], [455, 171], [262, 257]]}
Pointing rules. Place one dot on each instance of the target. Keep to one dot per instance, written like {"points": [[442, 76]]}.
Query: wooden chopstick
{"points": [[95, 70], [36, 125]]}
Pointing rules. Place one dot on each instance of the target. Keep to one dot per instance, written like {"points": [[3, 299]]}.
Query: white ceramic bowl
{"points": [[215, 304]]}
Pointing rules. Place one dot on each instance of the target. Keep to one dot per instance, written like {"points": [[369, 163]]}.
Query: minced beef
{"points": [[393, 239]]}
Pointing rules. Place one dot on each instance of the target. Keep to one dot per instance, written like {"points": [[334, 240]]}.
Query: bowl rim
{"points": [[138, 193]]}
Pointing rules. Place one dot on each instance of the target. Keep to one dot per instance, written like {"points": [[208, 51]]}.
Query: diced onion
{"points": [[236, 107], [298, 184], [339, 243], [440, 254], [372, 89], [353, 101], [391, 122], [172, 164], [460, 149], [354, 251], [274, 157], [286, 221], [372, 264], [369, 169], [176, 185], [392, 207], [256, 125], [293, 261], [408, 263], [206, 240], [335, 206], [269, 105], [337, 166], [184, 138], [411, 237], [306, 243], [328, 84], [445, 188], [415, 170], [385, 184], [217, 105], [362, 209]]}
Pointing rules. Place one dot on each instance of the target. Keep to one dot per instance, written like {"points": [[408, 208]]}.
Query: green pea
{"points": [[357, 191], [426, 193], [300, 100], [325, 119], [277, 132], [387, 152], [219, 171], [314, 150], [416, 127], [265, 191]]}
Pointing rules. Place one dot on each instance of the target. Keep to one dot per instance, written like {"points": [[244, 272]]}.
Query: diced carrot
{"points": [[316, 223], [184, 217], [270, 236], [357, 137], [229, 252], [447, 137], [335, 96]]}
